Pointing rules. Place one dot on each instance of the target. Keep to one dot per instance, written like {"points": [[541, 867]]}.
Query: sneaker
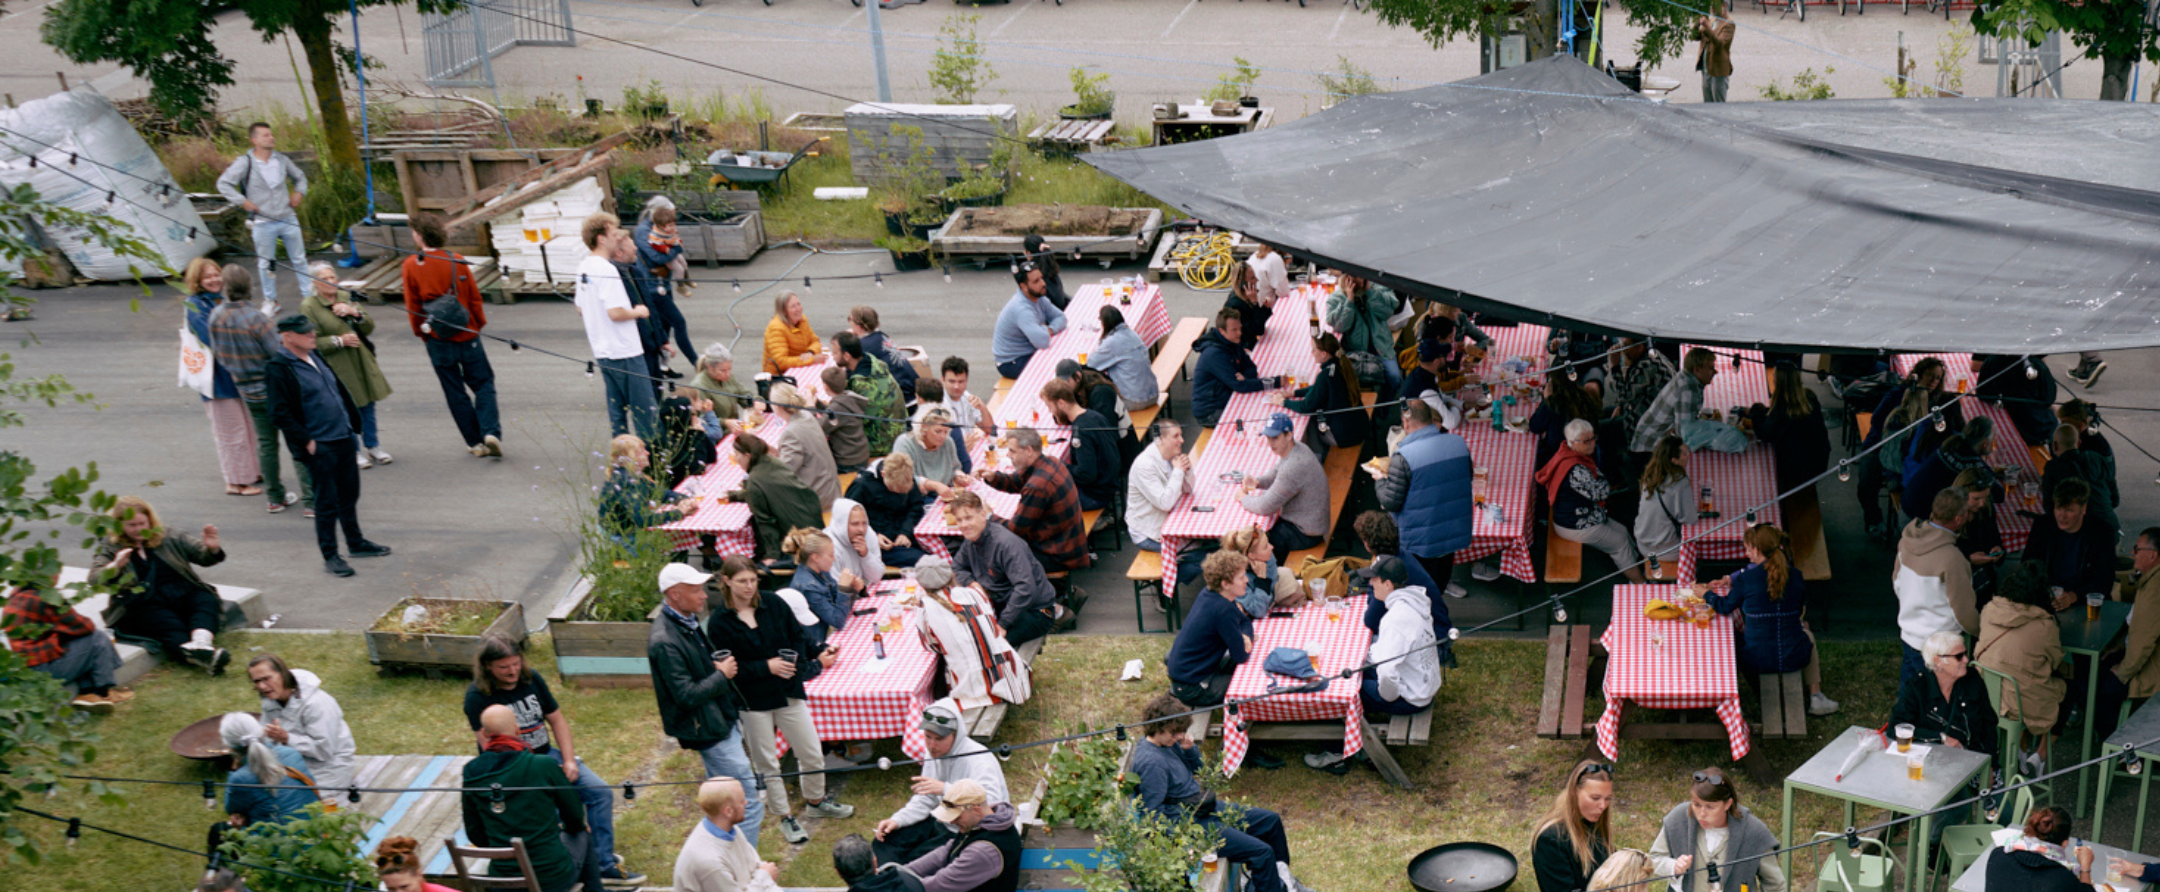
{"points": [[336, 566], [1817, 704], [1455, 590], [793, 831], [2093, 377], [1290, 882], [211, 659], [1485, 571], [361, 458], [119, 695], [1324, 760], [829, 807], [95, 704], [381, 457], [478, 450], [1262, 761], [368, 549], [291, 499], [618, 878], [493, 444], [2032, 764]]}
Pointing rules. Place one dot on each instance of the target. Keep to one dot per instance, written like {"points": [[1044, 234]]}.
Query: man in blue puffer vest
{"points": [[1427, 489]]}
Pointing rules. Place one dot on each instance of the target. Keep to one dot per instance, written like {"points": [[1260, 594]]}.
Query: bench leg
{"points": [[1384, 761], [1140, 589]]}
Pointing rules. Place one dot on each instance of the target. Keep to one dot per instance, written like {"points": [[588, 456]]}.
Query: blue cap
{"points": [[1278, 425]]}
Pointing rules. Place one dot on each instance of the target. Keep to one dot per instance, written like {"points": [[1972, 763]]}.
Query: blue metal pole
{"points": [[352, 248]]}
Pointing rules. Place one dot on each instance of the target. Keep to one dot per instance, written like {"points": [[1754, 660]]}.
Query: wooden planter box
{"points": [[949, 240], [438, 654], [598, 654], [734, 241]]}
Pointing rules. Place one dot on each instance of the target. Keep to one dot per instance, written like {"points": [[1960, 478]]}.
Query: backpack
{"points": [[444, 314]]}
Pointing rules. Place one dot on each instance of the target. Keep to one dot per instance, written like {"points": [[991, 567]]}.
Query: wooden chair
{"points": [[516, 851]]}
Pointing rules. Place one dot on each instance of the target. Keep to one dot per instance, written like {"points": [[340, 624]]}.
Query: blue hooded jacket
{"points": [[1215, 376]]}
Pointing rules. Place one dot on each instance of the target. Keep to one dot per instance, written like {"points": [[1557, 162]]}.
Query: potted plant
{"points": [[1137, 850], [602, 625], [302, 853], [1091, 102], [978, 189], [438, 635], [1236, 85], [908, 252], [1083, 781]]}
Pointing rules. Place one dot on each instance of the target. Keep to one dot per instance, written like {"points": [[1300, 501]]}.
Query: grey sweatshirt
{"points": [[1001, 564], [1295, 488], [271, 195]]}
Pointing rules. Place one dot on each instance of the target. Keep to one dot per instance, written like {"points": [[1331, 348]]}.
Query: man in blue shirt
{"points": [[1216, 638], [1026, 323], [311, 408], [1165, 762]]}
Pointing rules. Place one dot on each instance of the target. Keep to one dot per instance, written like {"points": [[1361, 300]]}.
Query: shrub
{"points": [[1805, 85], [958, 71], [318, 844]]}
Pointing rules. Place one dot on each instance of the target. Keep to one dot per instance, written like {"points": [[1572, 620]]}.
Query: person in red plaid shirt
{"points": [[1049, 516], [65, 645]]}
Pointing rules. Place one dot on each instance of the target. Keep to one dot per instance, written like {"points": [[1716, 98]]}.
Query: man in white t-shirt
{"points": [[611, 328], [1269, 275]]}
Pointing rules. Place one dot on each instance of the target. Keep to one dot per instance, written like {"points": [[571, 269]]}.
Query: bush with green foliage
{"points": [[1805, 85], [1345, 80], [958, 70], [1234, 84], [318, 845], [1091, 96], [1083, 784]]}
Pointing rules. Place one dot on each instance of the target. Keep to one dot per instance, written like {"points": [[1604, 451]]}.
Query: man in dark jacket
{"points": [[2029, 401], [1427, 489], [645, 291], [858, 867], [536, 804], [863, 323], [2077, 551], [311, 408], [889, 493], [1224, 368], [696, 692], [996, 560], [985, 856], [1094, 454]]}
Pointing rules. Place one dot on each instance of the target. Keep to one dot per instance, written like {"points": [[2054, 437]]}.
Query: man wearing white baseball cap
{"points": [[984, 856], [695, 687]]}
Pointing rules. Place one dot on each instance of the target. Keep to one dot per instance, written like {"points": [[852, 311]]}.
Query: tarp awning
{"points": [[1550, 193]]}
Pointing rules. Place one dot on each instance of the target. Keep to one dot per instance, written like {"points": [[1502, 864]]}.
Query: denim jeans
{"points": [[462, 366], [630, 402], [727, 759], [367, 427], [1149, 545], [599, 799], [267, 233]]}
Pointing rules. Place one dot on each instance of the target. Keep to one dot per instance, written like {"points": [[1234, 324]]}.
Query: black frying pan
{"points": [[1462, 867]]}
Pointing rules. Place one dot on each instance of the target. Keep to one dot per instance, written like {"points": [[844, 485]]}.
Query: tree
{"points": [[1666, 27], [2116, 32], [167, 42]]}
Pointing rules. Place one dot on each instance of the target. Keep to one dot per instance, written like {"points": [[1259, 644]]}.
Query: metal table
{"points": [[2139, 731], [2083, 638], [1879, 781], [1975, 877]]}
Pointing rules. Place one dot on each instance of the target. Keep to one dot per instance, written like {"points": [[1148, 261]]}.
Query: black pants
{"points": [[468, 385], [1208, 693], [337, 493], [671, 322], [1286, 538], [913, 841], [1439, 568], [170, 612], [1871, 487], [1031, 625]]}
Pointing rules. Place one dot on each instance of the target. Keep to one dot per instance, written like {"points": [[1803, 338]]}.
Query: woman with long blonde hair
{"points": [[1668, 501], [231, 427], [1575, 837]]}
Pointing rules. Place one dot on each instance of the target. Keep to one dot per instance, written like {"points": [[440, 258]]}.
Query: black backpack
{"points": [[444, 314]]}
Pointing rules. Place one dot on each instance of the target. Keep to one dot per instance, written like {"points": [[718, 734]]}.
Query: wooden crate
{"points": [[439, 654], [598, 654]]}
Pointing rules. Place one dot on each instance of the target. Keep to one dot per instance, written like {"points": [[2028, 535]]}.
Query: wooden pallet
{"points": [[1072, 136]]}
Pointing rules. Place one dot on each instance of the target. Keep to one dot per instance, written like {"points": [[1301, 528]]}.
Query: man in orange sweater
{"points": [[460, 361]]}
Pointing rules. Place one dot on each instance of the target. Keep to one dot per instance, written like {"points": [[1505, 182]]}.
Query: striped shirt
{"points": [[242, 339]]}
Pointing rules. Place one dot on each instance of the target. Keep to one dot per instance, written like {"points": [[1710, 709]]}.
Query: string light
{"points": [[629, 792], [352, 794], [111, 196], [1844, 470], [806, 283], [209, 795], [880, 280], [2032, 372], [2133, 763], [74, 831], [1571, 373], [738, 285], [71, 159], [884, 763], [588, 370], [1004, 752], [948, 274], [1941, 424]]}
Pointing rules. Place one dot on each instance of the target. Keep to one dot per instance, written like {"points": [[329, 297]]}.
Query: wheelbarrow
{"points": [[753, 168]]}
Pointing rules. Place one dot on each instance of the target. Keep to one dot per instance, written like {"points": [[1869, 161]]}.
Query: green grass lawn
{"points": [[1485, 775]]}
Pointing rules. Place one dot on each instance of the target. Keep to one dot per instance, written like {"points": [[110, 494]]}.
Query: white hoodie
{"points": [[316, 725], [1407, 628]]}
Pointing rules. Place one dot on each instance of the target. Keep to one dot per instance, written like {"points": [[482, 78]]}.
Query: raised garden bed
{"points": [[592, 653], [1094, 231], [442, 637]]}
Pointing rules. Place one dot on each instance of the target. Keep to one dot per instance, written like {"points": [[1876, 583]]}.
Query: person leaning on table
{"points": [[1575, 836], [2037, 860], [1712, 828]]}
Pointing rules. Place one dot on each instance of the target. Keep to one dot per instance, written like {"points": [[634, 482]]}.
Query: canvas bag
{"points": [[982, 667], [196, 365]]}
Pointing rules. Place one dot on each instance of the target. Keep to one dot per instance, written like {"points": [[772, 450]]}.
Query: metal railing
{"points": [[460, 46]]}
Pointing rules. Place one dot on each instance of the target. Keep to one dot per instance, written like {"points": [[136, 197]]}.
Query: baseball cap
{"points": [[296, 323], [959, 794], [676, 574], [1388, 567], [1278, 425], [942, 718]]}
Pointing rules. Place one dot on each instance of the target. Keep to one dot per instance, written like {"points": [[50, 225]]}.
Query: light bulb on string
{"points": [[806, 283], [588, 370], [880, 279], [1844, 471], [948, 274], [1941, 424], [1571, 375], [738, 285], [2032, 372]]}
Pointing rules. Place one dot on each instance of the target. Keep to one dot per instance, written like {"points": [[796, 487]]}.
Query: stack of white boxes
{"points": [[552, 225]]}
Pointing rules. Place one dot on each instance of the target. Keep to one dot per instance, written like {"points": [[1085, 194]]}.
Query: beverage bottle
{"points": [[877, 644]]}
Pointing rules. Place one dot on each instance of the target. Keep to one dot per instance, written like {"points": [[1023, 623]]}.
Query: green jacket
{"points": [[728, 397], [875, 382], [355, 367], [181, 552], [778, 502], [1362, 326], [539, 817]]}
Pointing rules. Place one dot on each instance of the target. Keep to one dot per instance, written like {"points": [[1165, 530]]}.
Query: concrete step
{"points": [[243, 607]]}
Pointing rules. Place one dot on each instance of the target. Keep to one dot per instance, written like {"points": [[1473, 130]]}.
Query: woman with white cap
{"points": [[768, 643], [271, 784]]}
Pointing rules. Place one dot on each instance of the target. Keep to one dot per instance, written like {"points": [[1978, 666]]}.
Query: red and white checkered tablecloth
{"points": [[1738, 482], [1741, 379], [931, 532], [1342, 643], [1505, 457], [1227, 450], [1023, 405], [848, 703], [1961, 375], [1286, 348], [1668, 664], [1521, 342], [809, 379], [1525, 342], [2010, 451], [727, 522]]}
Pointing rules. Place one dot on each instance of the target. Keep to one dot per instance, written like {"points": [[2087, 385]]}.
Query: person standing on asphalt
{"points": [[694, 684], [612, 330], [156, 596], [258, 182], [242, 340], [341, 330], [1714, 57], [460, 360], [230, 428], [320, 423]]}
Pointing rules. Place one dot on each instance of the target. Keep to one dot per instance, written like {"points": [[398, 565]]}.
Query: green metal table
{"points": [[2087, 638], [2139, 732], [1880, 781], [1975, 877]]}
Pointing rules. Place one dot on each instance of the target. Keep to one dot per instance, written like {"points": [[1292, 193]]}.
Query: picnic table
{"points": [[1023, 406], [1668, 664], [1213, 508], [1519, 342], [1738, 482], [1880, 781], [2009, 451], [810, 379], [1960, 375], [728, 522], [1340, 643], [865, 698]]}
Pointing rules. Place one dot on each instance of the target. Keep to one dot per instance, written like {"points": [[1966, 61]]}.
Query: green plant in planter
{"points": [[903, 244], [1091, 98], [318, 845], [621, 569], [648, 101], [1235, 84], [1142, 851], [1345, 80], [1084, 786], [980, 184]]}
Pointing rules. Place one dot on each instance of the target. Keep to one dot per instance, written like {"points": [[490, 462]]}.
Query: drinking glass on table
{"points": [[1904, 738], [2092, 606]]}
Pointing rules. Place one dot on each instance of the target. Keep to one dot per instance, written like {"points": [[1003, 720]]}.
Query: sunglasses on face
{"points": [[1960, 655]]}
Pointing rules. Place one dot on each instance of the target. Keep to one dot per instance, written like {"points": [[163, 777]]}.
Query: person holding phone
{"points": [[770, 644]]}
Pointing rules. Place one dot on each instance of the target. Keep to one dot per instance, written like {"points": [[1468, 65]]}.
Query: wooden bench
{"points": [[1784, 706], [1803, 524], [1146, 574], [1410, 730], [1563, 558], [847, 480], [1568, 655], [982, 721]]}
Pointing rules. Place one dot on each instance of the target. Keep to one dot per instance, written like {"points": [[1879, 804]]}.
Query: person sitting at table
{"points": [[889, 494], [1713, 828], [842, 418], [789, 340], [1929, 473], [1564, 401], [1093, 454], [1427, 490], [2132, 675], [1422, 381], [1377, 533], [631, 500], [1253, 312], [2002, 380], [770, 648], [1772, 602], [1948, 704], [1160, 476], [1933, 581], [857, 549], [1165, 762], [1792, 426], [954, 757], [1680, 402], [803, 447], [1053, 276], [1223, 368], [1358, 312], [2020, 638], [715, 380], [1668, 502], [1980, 539], [1271, 274], [2085, 417], [1333, 400], [2069, 460], [1268, 585], [2037, 861], [1576, 489], [1407, 676], [1886, 468], [1049, 516], [995, 559], [871, 377], [1026, 323], [1642, 374], [1575, 837], [1216, 637], [1095, 391], [718, 855], [778, 500], [1121, 357], [271, 785], [959, 625], [2078, 552], [934, 451], [863, 324], [1295, 490], [828, 589]]}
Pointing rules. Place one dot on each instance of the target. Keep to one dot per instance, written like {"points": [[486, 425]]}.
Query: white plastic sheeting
{"points": [[111, 158]]}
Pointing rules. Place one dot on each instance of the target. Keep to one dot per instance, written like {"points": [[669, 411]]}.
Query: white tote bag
{"points": [[196, 365]]}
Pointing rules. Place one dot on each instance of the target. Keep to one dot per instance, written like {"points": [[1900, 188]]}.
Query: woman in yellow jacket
{"points": [[789, 340]]}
